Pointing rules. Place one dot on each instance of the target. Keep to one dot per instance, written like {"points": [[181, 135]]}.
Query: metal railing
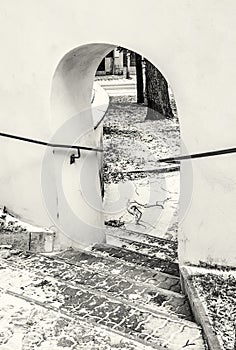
{"points": [[174, 160], [53, 145]]}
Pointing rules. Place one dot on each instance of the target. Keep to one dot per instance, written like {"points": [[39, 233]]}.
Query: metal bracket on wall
{"points": [[73, 157]]}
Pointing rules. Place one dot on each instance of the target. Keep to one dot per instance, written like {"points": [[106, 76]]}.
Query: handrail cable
{"points": [[162, 160], [198, 155], [54, 145]]}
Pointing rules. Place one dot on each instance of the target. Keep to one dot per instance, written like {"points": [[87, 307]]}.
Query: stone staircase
{"points": [[122, 295], [119, 87]]}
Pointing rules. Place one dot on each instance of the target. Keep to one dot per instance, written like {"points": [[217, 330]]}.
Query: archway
{"points": [[73, 116]]}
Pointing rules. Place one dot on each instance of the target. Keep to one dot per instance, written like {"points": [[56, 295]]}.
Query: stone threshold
{"points": [[156, 264]]}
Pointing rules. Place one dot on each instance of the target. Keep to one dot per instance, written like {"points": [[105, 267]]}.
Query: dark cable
{"points": [[198, 155], [163, 160], [54, 145]]}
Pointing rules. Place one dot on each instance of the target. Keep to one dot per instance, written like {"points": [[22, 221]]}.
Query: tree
{"points": [[158, 100], [139, 71], [139, 78], [125, 62], [157, 94]]}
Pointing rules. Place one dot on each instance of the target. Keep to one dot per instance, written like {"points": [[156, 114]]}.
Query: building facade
{"points": [[117, 62]]}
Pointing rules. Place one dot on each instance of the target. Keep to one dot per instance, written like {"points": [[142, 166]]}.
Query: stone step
{"points": [[143, 243], [26, 325], [121, 92], [119, 89], [94, 307], [118, 86], [148, 297], [95, 261], [157, 264], [21, 235], [32, 241]]}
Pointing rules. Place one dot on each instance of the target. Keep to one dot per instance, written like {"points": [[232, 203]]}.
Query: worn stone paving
{"points": [[142, 325], [114, 266], [144, 238], [153, 298], [158, 264], [27, 326], [143, 243]]}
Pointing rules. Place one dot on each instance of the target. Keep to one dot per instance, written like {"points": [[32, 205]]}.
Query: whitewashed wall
{"points": [[194, 45]]}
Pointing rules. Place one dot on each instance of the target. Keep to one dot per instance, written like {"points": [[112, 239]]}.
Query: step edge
{"points": [[77, 318], [157, 313], [110, 258], [146, 255], [198, 310], [140, 234], [133, 246], [140, 284], [118, 236]]}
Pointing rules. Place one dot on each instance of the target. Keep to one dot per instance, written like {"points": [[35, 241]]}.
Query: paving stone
{"points": [[123, 254], [97, 262], [143, 243], [96, 308], [27, 326], [150, 297]]}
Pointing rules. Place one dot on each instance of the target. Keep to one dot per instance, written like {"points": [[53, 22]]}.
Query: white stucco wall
{"points": [[194, 45]]}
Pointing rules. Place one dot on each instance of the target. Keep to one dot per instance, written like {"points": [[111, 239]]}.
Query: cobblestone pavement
{"points": [[143, 243], [97, 308], [113, 266], [150, 297], [156, 264], [27, 326]]}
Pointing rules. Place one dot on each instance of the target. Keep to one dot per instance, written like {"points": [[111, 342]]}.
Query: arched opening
{"points": [[141, 195]]}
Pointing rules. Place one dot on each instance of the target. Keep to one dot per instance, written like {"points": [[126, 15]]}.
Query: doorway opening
{"points": [[141, 126]]}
